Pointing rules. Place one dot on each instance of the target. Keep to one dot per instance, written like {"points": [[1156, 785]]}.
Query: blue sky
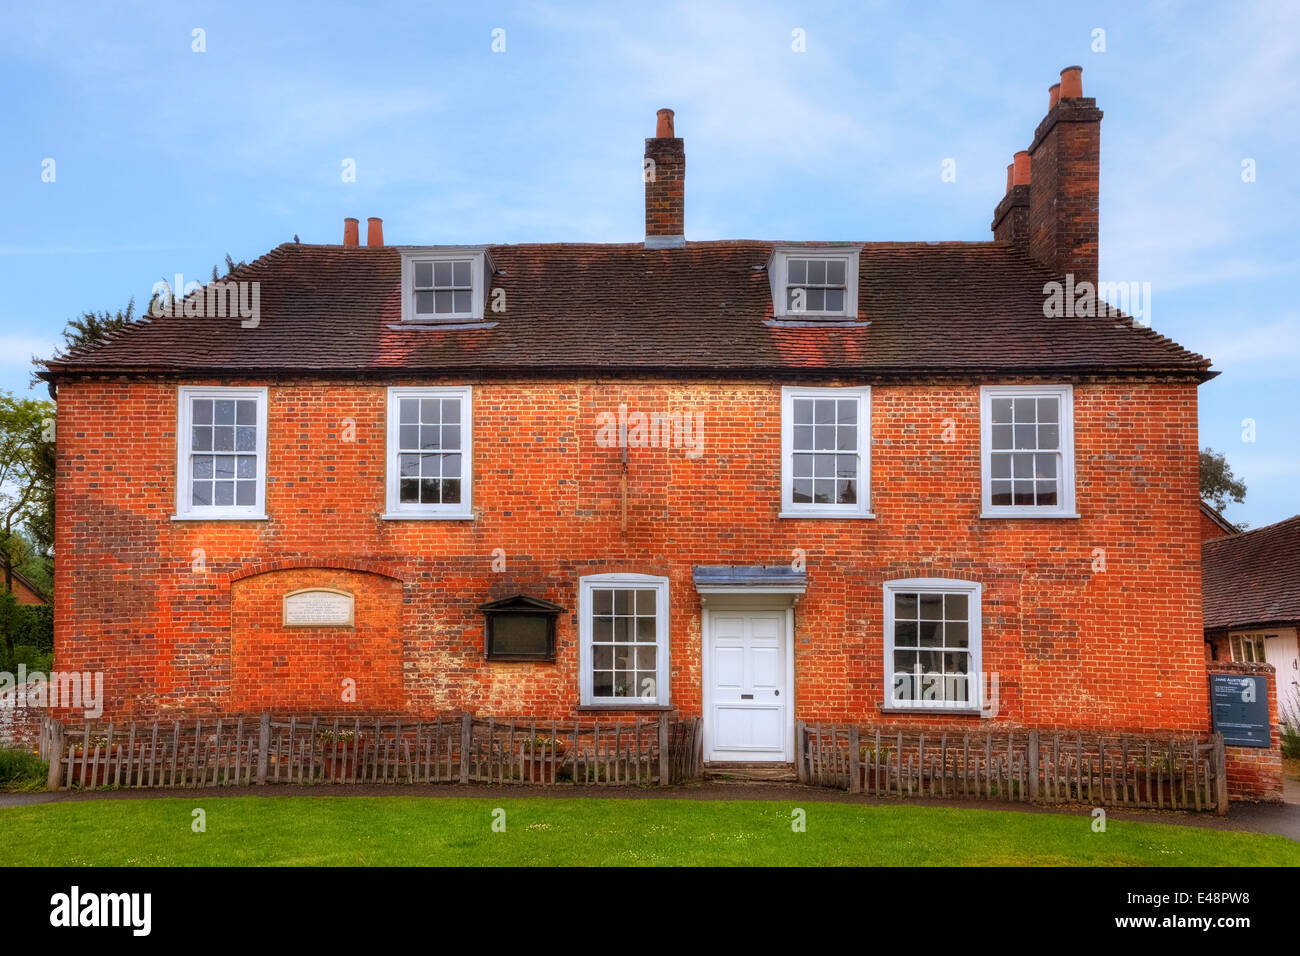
{"points": [[167, 159]]}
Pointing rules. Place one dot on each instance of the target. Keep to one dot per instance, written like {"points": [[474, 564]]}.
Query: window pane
{"points": [[408, 436], [223, 436], [225, 467], [817, 271], [429, 409], [224, 411], [430, 437], [846, 492], [803, 491], [460, 301], [835, 272], [848, 438], [1045, 466], [424, 303], [1001, 492], [622, 602], [442, 303], [603, 601], [247, 467], [423, 275], [602, 684], [931, 633], [224, 493], [1022, 493], [803, 411], [834, 300], [451, 436], [954, 607], [905, 606], [1024, 410], [451, 466], [1022, 466], [646, 630], [246, 493], [931, 607], [408, 411], [202, 411], [824, 491], [906, 633], [846, 466], [245, 438], [460, 274], [645, 601], [1000, 466], [409, 491], [1025, 436], [246, 412], [823, 466], [956, 634], [429, 491], [201, 493], [1048, 409], [798, 271], [201, 438], [815, 300], [803, 466], [1046, 494], [848, 411], [1049, 436], [442, 275], [1001, 436], [451, 491]]}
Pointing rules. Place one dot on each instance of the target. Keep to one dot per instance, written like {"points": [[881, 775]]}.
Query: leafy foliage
{"points": [[1218, 484]]}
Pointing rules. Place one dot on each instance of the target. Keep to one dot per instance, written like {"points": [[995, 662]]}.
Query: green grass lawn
{"points": [[379, 831]]}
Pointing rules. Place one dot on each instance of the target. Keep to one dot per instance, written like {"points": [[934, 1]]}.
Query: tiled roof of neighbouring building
{"points": [[1253, 577], [925, 308]]}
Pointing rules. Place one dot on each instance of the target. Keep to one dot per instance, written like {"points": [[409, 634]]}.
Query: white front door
{"points": [[747, 687]]}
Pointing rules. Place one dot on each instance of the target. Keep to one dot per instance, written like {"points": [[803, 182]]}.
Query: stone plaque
{"points": [[318, 607]]}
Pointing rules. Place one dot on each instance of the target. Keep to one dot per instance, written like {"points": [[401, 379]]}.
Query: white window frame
{"points": [[479, 274], [778, 275], [974, 592], [589, 584], [1065, 506], [185, 509], [1237, 642], [862, 508], [395, 508]]}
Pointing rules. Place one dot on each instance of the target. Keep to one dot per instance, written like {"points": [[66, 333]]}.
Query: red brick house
{"points": [[755, 481]]}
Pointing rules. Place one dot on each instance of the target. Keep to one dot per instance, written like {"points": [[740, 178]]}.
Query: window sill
{"points": [[958, 711], [657, 708], [404, 516], [456, 325], [840, 515], [1030, 514], [219, 517]]}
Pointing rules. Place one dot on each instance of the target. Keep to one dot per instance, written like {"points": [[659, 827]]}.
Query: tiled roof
{"points": [[1253, 577], [928, 307]]}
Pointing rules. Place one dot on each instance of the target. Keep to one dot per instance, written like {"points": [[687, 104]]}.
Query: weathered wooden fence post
{"points": [[801, 762], [1032, 760], [855, 758], [263, 748], [466, 742], [663, 750], [1220, 776], [56, 754]]}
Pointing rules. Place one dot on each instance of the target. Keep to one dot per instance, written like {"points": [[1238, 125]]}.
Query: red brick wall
{"points": [[1211, 529], [1074, 646]]}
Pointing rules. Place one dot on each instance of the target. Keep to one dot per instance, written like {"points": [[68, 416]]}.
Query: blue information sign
{"points": [[1240, 706]]}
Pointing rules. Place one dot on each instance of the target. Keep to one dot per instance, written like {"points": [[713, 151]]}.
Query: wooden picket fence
{"points": [[1169, 773], [249, 751]]}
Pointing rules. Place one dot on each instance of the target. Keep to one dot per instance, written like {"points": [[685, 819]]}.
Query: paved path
{"points": [[1279, 818]]}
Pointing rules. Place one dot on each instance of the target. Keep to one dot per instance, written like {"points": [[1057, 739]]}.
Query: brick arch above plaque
{"points": [[319, 607]]}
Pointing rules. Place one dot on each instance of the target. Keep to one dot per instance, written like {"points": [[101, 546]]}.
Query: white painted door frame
{"points": [[740, 603]]}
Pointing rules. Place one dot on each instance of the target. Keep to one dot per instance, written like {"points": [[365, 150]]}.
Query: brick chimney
{"points": [[664, 172], [1011, 218], [1065, 157], [351, 232], [374, 231]]}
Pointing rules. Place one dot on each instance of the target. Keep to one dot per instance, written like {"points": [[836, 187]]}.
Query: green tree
{"points": [[1218, 484], [25, 431]]}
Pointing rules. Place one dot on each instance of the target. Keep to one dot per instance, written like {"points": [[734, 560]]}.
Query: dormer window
{"points": [[817, 283], [444, 284]]}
